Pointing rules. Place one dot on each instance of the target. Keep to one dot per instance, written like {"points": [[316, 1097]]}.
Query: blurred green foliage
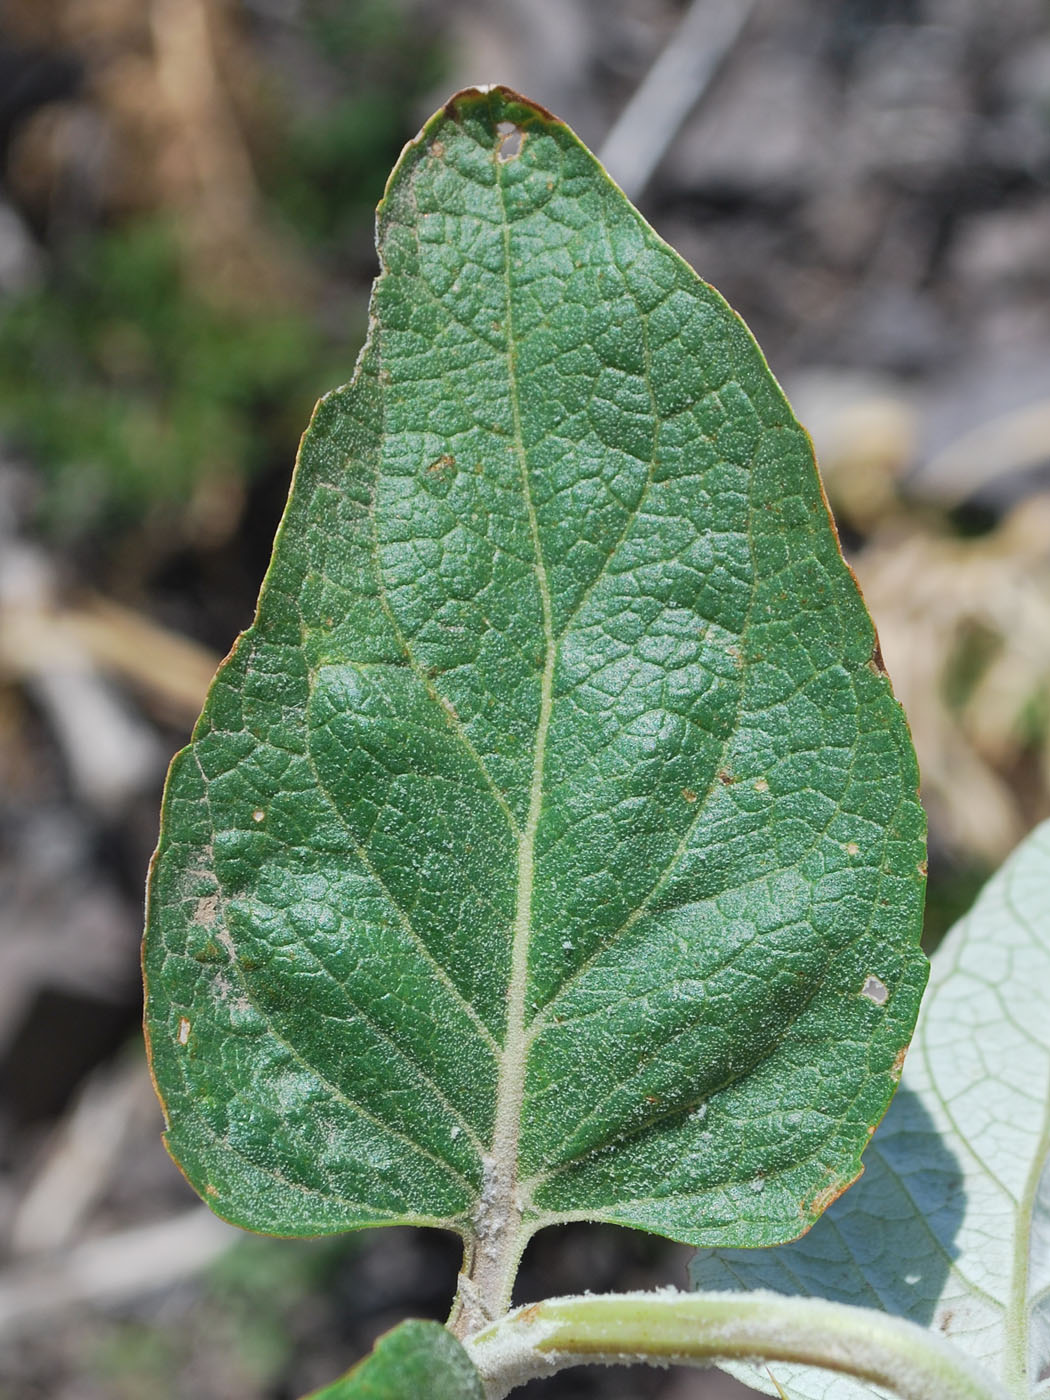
{"points": [[128, 389], [242, 1331], [381, 59]]}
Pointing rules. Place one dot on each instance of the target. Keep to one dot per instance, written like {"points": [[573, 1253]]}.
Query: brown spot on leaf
{"points": [[898, 1063], [184, 1030], [725, 777], [443, 463], [211, 1190], [689, 794], [207, 911], [922, 868], [437, 149]]}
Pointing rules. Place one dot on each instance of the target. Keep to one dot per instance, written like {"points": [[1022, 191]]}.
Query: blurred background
{"points": [[186, 197]]}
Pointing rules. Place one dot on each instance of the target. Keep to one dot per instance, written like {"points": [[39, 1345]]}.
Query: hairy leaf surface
{"points": [[549, 846], [950, 1226], [413, 1359]]}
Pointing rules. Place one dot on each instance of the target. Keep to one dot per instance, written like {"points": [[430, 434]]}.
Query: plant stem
{"points": [[490, 1265], [704, 1329]]}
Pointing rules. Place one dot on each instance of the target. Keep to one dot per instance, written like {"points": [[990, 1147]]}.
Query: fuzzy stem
{"points": [[704, 1329]]}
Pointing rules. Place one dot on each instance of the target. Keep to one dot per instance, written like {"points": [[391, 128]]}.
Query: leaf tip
{"points": [[499, 98]]}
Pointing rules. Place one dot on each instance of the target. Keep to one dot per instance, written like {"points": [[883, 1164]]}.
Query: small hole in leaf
{"points": [[510, 139], [875, 990], [184, 1030]]}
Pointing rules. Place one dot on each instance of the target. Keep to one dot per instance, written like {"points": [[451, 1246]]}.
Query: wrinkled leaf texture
{"points": [[414, 1360], [950, 1227], [553, 828]]}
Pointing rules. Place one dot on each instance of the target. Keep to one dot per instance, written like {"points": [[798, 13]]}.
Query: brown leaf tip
{"points": [[472, 95]]}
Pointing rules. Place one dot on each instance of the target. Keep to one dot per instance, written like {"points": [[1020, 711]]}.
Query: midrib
{"points": [[512, 1066], [500, 1215], [1017, 1313]]}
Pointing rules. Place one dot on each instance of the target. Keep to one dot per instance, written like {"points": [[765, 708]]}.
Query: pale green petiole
{"points": [[705, 1329]]}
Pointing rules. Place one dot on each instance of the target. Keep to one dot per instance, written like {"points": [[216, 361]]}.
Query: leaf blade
{"points": [[414, 1358], [554, 799], [949, 1226]]}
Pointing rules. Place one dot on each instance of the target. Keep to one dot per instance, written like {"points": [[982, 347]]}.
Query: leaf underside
{"points": [[553, 828], [950, 1227]]}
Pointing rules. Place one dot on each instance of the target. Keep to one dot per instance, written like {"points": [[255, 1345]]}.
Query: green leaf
{"points": [[549, 847], [950, 1227], [414, 1359]]}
